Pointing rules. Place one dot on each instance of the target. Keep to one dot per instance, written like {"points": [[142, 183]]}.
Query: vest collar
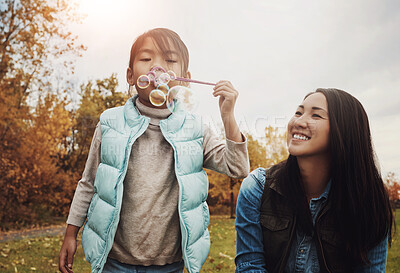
{"points": [[271, 177], [132, 116], [172, 124], [272, 182]]}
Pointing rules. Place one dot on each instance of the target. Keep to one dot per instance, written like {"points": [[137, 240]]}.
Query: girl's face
{"points": [[308, 129], [149, 56]]}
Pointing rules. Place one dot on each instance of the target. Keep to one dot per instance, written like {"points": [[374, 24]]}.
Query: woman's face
{"points": [[308, 129]]}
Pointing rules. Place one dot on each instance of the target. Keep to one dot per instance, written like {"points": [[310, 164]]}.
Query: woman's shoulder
{"points": [[261, 176], [255, 180]]}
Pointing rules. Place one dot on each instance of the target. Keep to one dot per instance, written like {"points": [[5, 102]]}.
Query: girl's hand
{"points": [[227, 97], [68, 249]]}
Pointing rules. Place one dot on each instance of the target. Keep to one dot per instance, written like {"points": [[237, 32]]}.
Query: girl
{"points": [[143, 190], [325, 208]]}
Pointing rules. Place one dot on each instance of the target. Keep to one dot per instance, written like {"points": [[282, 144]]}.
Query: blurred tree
{"points": [[257, 153], [32, 34], [263, 153], [97, 96], [392, 183], [33, 39], [275, 146], [31, 180]]}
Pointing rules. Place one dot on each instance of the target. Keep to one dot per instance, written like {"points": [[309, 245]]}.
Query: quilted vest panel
{"points": [[120, 127]]}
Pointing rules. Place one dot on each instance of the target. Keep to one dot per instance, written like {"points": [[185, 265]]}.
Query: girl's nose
{"points": [[157, 62]]}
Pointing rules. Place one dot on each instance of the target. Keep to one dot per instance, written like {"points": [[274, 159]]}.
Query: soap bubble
{"points": [[181, 98], [172, 75], [157, 97], [164, 78], [143, 81]]}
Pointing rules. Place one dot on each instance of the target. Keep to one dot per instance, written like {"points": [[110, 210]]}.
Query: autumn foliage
{"points": [[263, 152], [45, 135], [393, 188]]}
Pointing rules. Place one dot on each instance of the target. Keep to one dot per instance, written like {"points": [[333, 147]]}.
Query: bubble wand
{"points": [[163, 79]]}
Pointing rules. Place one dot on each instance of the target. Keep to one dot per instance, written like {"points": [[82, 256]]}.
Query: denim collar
{"points": [[274, 185]]}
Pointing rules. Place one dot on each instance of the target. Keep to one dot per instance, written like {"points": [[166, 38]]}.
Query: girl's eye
{"points": [[298, 113], [145, 59], [171, 61]]}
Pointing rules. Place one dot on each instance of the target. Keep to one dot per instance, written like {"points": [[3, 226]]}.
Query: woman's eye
{"points": [[316, 115], [298, 113]]}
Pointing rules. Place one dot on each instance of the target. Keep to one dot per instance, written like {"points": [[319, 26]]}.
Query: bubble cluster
{"points": [[176, 98], [181, 98]]}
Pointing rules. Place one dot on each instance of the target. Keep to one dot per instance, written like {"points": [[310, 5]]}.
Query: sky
{"points": [[273, 52]]}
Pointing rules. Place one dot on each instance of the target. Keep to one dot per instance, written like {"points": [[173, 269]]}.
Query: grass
{"points": [[41, 254]]}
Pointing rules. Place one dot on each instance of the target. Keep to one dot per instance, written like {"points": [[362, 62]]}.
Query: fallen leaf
{"points": [[225, 256]]}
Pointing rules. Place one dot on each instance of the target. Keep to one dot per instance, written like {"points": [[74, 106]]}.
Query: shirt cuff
{"points": [[234, 142], [75, 220]]}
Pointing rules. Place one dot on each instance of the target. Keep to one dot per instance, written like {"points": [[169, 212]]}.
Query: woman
{"points": [[324, 209]]}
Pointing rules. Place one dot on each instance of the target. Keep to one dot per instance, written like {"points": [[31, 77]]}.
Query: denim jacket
{"points": [[303, 257]]}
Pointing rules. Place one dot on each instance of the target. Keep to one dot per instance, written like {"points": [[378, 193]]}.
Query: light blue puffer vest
{"points": [[120, 128]]}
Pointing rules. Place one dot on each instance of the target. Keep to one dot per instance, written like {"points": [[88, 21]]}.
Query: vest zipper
{"points": [[185, 235], [284, 261], [125, 170]]}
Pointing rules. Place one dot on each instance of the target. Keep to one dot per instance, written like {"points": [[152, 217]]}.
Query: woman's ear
{"points": [[129, 76]]}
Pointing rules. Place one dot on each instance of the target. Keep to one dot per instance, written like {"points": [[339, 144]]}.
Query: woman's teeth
{"points": [[296, 136]]}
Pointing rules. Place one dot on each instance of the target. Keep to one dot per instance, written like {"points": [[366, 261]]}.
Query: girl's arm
{"points": [[227, 99], [225, 156], [85, 188], [80, 205], [377, 257], [229, 157], [249, 238], [68, 249]]}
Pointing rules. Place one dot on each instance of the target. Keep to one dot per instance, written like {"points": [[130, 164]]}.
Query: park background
{"points": [[64, 62]]}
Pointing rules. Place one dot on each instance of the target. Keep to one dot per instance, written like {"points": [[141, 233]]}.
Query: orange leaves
{"points": [[267, 150], [29, 175], [43, 149], [263, 151], [393, 186]]}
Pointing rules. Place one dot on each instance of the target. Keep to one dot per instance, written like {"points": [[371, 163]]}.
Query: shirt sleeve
{"points": [[377, 257], [227, 157], [85, 188], [249, 238]]}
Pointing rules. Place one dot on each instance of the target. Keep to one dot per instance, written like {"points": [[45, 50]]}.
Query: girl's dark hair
{"points": [[163, 38], [359, 199]]}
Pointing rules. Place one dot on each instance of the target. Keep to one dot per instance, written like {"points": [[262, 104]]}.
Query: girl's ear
{"points": [[129, 76], [187, 76]]}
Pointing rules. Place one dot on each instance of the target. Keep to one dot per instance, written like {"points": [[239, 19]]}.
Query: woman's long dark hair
{"points": [[359, 199]]}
